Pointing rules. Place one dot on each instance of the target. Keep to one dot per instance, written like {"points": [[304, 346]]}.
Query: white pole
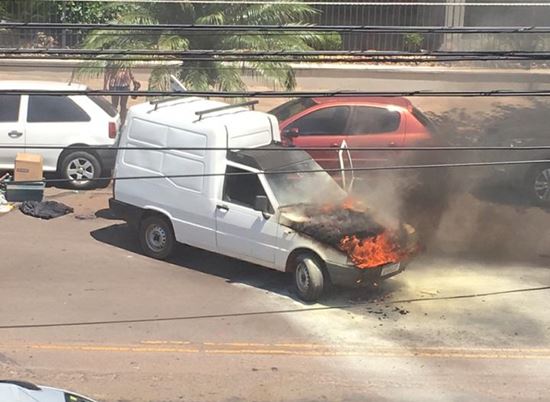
{"points": [[454, 17]]}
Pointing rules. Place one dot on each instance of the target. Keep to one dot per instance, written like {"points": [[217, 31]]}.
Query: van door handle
{"points": [[334, 145], [15, 134], [222, 207], [392, 144]]}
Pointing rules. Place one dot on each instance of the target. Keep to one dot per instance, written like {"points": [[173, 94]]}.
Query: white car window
{"points": [[9, 108], [49, 108]]}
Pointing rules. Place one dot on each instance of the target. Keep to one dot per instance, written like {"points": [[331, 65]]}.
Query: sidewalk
{"points": [[61, 70]]}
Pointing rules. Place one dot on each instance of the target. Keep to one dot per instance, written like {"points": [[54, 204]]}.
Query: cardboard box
{"points": [[28, 167]]}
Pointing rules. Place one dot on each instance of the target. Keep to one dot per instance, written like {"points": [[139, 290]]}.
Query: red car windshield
{"points": [[290, 108]]}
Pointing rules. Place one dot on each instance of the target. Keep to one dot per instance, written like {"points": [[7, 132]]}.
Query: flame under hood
{"points": [[354, 230]]}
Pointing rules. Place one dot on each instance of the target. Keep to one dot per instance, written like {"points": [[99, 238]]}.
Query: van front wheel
{"points": [[156, 237], [308, 278]]}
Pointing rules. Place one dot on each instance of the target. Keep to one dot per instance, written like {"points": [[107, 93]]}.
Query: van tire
{"points": [[309, 280], [85, 161], [156, 237]]}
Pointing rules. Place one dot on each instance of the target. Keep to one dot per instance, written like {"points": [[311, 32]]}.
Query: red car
{"points": [[359, 121]]}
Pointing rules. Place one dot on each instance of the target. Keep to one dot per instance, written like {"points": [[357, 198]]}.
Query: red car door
{"points": [[373, 126], [322, 127]]}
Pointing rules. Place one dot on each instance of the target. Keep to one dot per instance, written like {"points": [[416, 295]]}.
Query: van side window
{"points": [[241, 189]]}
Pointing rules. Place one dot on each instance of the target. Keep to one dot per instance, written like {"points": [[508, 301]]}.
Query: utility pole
{"points": [[454, 17], [64, 31]]}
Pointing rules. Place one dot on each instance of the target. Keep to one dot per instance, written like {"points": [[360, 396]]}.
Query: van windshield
{"points": [[299, 185]]}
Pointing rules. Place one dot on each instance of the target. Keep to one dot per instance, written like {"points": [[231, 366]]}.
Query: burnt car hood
{"points": [[329, 224]]}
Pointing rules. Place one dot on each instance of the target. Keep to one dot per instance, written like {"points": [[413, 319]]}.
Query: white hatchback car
{"points": [[75, 124], [23, 391]]}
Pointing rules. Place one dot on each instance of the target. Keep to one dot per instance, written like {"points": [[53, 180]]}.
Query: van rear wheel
{"points": [[308, 277], [157, 237]]}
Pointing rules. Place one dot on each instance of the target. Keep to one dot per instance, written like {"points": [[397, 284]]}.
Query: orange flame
{"points": [[347, 203], [370, 252]]}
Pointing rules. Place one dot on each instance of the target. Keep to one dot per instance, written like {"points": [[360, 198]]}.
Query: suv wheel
{"points": [[157, 237], [81, 169]]}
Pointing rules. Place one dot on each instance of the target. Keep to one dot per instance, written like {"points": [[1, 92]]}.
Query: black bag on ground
{"points": [[45, 209]]}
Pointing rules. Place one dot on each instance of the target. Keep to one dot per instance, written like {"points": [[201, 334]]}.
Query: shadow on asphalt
{"points": [[107, 213], [53, 182], [504, 194], [237, 271]]}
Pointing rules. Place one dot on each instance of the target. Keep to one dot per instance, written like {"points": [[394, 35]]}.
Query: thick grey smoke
{"points": [[470, 212]]}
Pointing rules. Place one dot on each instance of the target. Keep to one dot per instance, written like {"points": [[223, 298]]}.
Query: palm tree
{"points": [[214, 75]]}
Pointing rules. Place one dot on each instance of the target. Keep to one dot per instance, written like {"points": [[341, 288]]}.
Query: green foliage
{"points": [[214, 75], [54, 11], [29, 10], [88, 12], [413, 41]]}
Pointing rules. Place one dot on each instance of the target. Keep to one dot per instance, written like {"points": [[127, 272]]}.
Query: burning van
{"points": [[271, 206]]}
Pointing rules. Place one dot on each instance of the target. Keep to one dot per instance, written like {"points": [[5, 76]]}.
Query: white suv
{"points": [[75, 124]]}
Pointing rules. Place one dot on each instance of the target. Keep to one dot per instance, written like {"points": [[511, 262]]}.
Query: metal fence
{"points": [[338, 14], [384, 15]]}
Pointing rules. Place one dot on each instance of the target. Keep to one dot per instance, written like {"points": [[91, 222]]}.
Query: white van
{"points": [[223, 201]]}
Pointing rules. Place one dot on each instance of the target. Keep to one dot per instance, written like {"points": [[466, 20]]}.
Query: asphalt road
{"points": [[81, 308]]}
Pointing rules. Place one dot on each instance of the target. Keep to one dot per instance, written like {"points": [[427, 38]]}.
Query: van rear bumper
{"points": [[342, 275], [127, 212]]}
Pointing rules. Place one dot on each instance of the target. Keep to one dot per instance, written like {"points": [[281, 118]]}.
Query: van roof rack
{"points": [[201, 113], [165, 99], [158, 101]]}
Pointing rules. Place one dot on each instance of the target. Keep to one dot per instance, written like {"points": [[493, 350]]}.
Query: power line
{"points": [[274, 57], [331, 3], [279, 59], [278, 94], [288, 148], [81, 64], [236, 28], [186, 34], [267, 312], [134, 68], [274, 53], [311, 56], [282, 172]]}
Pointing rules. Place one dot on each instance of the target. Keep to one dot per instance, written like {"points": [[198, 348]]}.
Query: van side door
{"points": [[242, 232]]}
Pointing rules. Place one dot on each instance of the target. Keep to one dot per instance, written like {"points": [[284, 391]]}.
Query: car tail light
{"points": [[112, 130]]}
